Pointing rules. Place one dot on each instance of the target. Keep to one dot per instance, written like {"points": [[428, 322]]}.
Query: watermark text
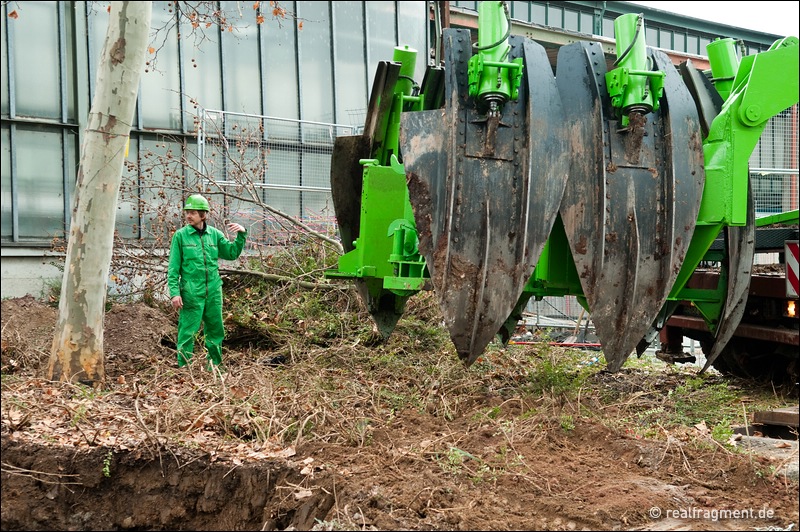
{"points": [[712, 514]]}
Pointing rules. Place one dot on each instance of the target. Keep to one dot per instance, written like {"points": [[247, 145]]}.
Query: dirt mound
{"points": [[490, 459], [134, 333]]}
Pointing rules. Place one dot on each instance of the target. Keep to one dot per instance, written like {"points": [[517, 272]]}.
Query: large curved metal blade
{"points": [[484, 209], [347, 176], [741, 246], [631, 202], [708, 101], [346, 185]]}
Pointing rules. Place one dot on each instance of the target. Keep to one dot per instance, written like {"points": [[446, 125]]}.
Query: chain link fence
{"points": [[279, 162]]}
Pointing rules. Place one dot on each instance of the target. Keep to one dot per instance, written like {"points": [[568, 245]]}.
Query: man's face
{"points": [[194, 217]]}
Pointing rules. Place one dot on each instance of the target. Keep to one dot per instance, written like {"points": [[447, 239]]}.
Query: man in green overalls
{"points": [[195, 286]]}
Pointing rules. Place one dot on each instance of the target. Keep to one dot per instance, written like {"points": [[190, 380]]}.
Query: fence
{"points": [[262, 160], [774, 165]]}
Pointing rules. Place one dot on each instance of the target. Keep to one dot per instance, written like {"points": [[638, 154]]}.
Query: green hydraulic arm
{"points": [[754, 90], [378, 228]]}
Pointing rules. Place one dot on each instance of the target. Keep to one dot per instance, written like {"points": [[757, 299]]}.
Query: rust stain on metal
{"points": [[581, 246]]}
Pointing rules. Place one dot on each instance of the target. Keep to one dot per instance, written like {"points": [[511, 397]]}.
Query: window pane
{"points": [[160, 92], [317, 207], [36, 65], [538, 14], [280, 68], [555, 16], [380, 31], [242, 70], [127, 220], [4, 101], [680, 42], [283, 168], [587, 23], [608, 27], [412, 20], [570, 20], [97, 26], [316, 167], [162, 188], [703, 43], [315, 65], [202, 70], [467, 5], [651, 36], [693, 45], [351, 72], [520, 11], [40, 184], [5, 178], [665, 39]]}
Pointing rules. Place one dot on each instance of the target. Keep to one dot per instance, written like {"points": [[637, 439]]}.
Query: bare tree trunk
{"points": [[77, 353]]}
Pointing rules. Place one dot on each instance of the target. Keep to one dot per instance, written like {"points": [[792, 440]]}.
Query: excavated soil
{"points": [[61, 477]]}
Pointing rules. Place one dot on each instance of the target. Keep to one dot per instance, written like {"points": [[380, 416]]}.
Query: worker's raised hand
{"points": [[177, 302], [235, 228]]}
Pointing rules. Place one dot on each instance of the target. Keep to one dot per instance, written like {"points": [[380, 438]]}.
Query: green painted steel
{"points": [[765, 84], [633, 86], [724, 64], [788, 217], [384, 257], [492, 80], [385, 254]]}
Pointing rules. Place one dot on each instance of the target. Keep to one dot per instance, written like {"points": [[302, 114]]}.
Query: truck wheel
{"points": [[755, 360]]}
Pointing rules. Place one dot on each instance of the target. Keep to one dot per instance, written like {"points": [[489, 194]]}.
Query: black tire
{"points": [[756, 360]]}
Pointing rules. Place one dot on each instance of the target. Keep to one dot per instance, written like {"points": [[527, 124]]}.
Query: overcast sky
{"points": [[779, 18]]}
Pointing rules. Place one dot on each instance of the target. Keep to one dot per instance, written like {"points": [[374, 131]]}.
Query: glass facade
{"points": [[314, 64]]}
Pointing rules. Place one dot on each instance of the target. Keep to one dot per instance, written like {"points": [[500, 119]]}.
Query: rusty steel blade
{"points": [[346, 188], [346, 171], [740, 242], [485, 196], [631, 202], [708, 101]]}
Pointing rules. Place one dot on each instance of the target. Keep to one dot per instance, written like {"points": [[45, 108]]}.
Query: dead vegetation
{"points": [[371, 434]]}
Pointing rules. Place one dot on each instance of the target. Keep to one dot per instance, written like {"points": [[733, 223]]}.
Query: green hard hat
{"points": [[196, 202]]}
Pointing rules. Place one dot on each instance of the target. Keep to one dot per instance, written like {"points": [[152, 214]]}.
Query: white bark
{"points": [[77, 352]]}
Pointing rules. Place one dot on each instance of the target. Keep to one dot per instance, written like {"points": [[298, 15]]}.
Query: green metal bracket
{"points": [[385, 254], [633, 87], [493, 80], [788, 217], [764, 85]]}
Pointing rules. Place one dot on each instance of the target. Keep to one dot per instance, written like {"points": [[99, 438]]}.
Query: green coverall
{"points": [[194, 275]]}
